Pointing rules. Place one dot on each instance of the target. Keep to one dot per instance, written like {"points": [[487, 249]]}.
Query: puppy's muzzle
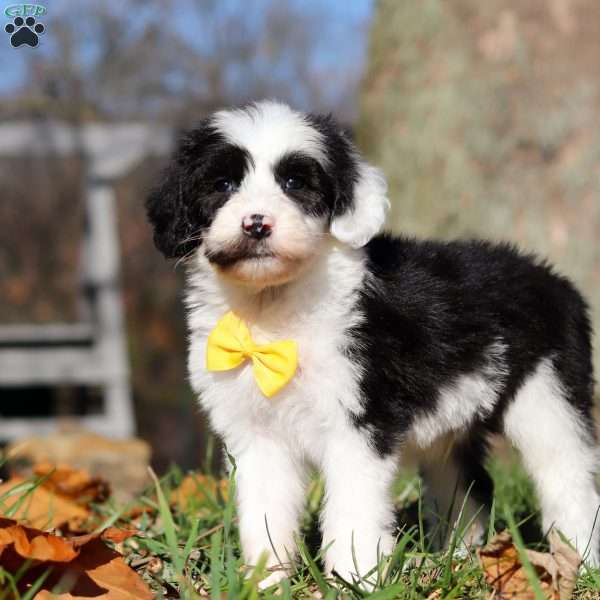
{"points": [[257, 226]]}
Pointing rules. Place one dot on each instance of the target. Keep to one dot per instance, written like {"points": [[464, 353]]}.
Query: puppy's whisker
{"points": [[185, 258], [198, 236]]}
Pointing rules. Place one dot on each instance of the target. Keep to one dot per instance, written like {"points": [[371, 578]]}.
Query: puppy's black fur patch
{"points": [[185, 202], [433, 310], [343, 164], [317, 194]]}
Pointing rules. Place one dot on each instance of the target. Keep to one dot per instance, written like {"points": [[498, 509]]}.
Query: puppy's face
{"points": [[258, 190]]}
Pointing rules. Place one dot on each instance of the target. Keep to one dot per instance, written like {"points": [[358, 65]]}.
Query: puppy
{"points": [[353, 350]]}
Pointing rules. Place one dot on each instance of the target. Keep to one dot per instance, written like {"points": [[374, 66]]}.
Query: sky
{"points": [[348, 44]]}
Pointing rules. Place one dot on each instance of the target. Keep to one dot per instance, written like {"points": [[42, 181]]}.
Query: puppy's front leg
{"points": [[357, 519], [270, 494]]}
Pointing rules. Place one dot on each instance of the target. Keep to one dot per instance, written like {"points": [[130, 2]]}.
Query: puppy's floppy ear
{"points": [[167, 210], [361, 203], [363, 214], [171, 204]]}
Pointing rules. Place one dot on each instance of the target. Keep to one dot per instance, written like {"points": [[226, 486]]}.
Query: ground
{"points": [[189, 546]]}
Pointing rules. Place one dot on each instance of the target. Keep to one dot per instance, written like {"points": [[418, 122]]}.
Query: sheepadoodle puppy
{"points": [[316, 340]]}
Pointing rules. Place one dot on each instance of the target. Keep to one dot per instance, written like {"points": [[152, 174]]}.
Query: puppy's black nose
{"points": [[257, 226]]}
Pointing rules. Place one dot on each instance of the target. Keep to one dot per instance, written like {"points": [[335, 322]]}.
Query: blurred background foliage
{"points": [[483, 115]]}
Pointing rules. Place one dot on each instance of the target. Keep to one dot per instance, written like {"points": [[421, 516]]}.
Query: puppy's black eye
{"points": [[225, 185], [294, 183]]}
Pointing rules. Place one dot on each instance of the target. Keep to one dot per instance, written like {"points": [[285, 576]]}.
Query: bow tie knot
{"points": [[230, 344]]}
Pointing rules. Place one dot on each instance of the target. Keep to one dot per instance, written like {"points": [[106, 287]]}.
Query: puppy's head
{"points": [[258, 190]]}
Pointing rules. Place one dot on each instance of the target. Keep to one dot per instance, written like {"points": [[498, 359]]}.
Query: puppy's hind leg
{"points": [[457, 487], [560, 454]]}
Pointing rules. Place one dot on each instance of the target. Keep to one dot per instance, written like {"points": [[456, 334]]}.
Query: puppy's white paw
{"points": [[274, 578]]}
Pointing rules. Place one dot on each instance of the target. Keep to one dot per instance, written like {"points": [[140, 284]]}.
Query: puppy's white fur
{"points": [[269, 130], [274, 440], [466, 398], [357, 227]]}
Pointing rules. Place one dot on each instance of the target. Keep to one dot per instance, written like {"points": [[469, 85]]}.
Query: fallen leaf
{"points": [[117, 535], [137, 510], [110, 534], [34, 544], [124, 463], [82, 567], [562, 563], [74, 484], [100, 573], [504, 571], [41, 508], [196, 487]]}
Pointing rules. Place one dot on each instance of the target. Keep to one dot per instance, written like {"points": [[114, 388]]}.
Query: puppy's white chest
{"points": [[325, 388], [317, 398]]}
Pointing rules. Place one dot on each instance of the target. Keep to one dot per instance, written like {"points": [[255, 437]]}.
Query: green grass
{"points": [[194, 552], [200, 552]]}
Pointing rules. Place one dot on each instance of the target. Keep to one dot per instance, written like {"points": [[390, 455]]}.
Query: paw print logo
{"points": [[24, 31]]}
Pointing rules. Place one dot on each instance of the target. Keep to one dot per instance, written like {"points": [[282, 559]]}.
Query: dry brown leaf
{"points": [[124, 463], [136, 511], [194, 488], [110, 534], [117, 535], [84, 567], [61, 499], [556, 571], [74, 484], [562, 563], [41, 508], [34, 544], [99, 573]]}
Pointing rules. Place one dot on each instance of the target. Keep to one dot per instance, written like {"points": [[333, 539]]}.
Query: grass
{"points": [[193, 551]]}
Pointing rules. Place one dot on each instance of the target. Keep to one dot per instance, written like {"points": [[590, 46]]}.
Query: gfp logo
{"points": [[24, 30], [25, 10]]}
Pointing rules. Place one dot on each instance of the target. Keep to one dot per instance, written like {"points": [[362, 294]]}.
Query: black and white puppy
{"points": [[406, 349]]}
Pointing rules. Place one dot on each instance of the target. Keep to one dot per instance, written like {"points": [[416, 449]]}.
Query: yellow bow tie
{"points": [[230, 344]]}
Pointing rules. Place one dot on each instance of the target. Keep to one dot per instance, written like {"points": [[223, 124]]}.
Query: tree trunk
{"points": [[485, 117]]}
